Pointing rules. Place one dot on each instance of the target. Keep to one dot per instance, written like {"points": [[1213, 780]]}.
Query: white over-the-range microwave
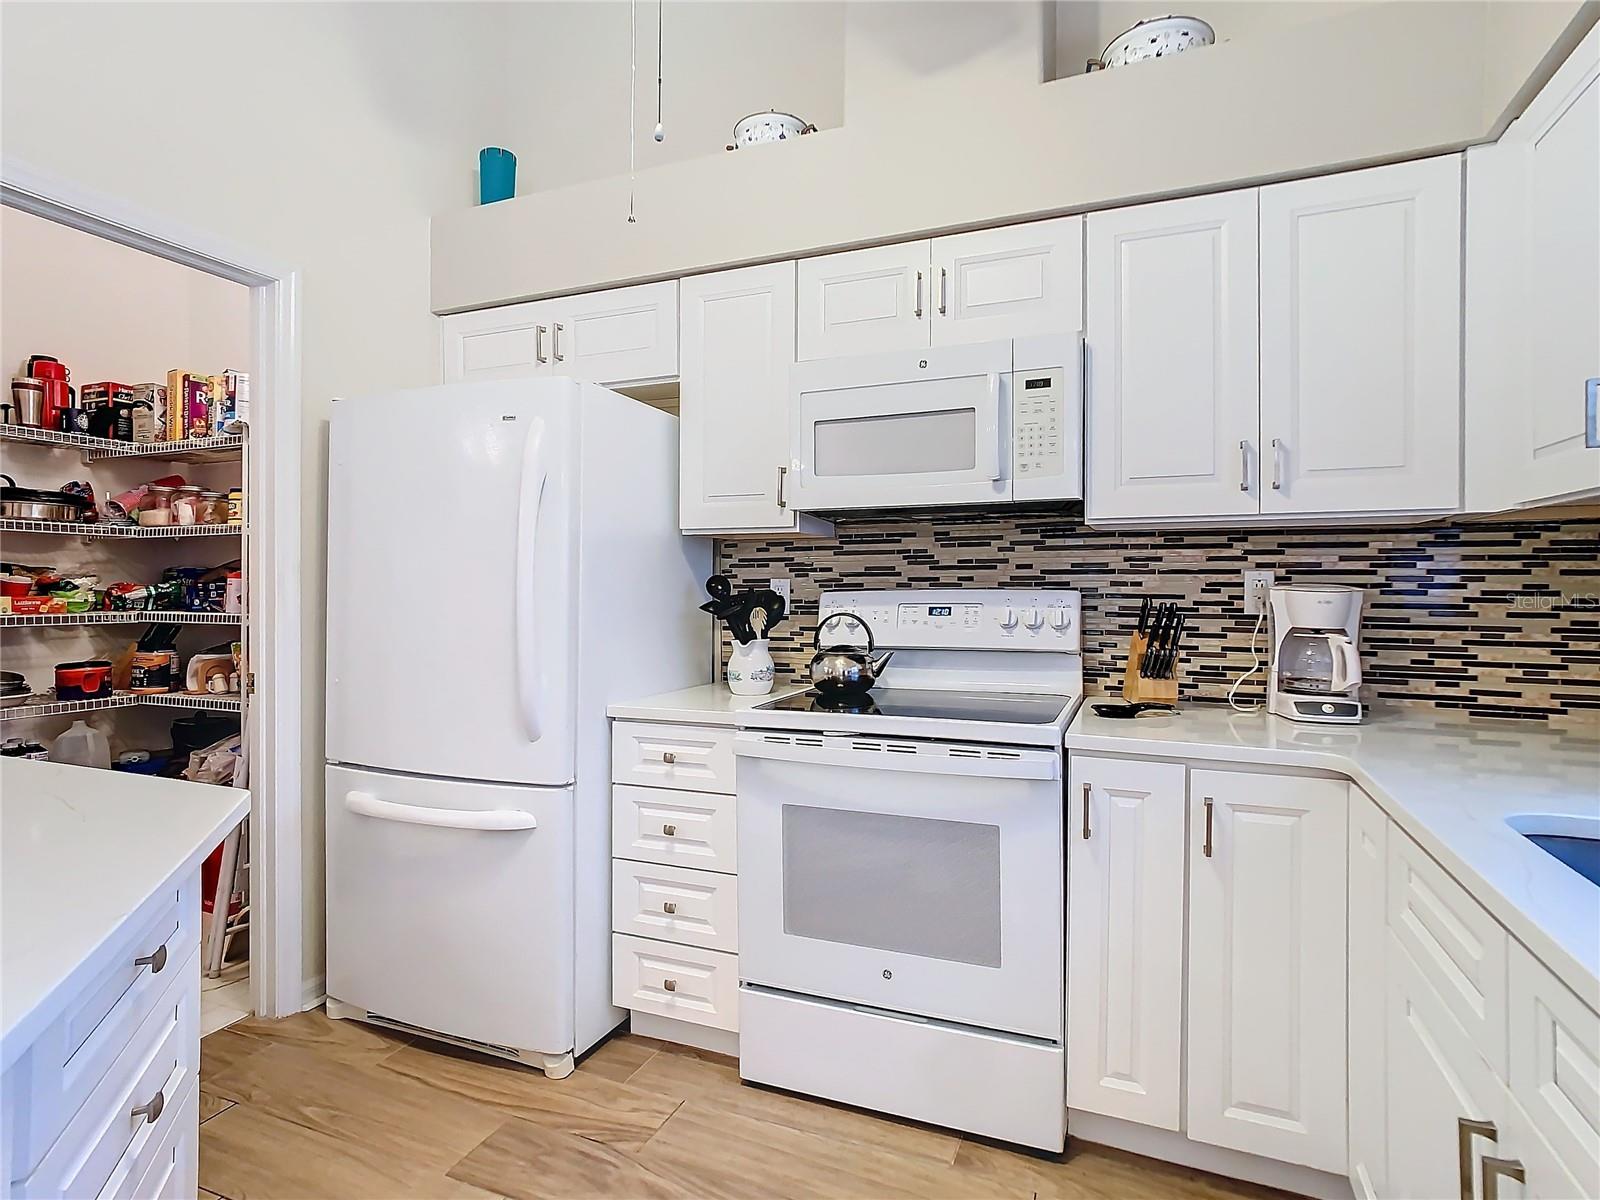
{"points": [[982, 424]]}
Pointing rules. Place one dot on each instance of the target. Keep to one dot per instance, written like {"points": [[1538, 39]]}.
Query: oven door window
{"points": [[911, 885]]}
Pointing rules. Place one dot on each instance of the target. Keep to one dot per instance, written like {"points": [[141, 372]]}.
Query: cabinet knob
{"points": [[668, 757], [155, 961], [668, 907], [151, 1112], [669, 831], [670, 984]]}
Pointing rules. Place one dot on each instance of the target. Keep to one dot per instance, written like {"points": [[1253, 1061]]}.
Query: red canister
{"points": [[86, 680], [52, 372]]}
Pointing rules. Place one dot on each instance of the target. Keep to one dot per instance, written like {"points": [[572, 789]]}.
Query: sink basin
{"points": [[1574, 841]]}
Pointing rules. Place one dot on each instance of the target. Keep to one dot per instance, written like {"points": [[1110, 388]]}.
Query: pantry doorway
{"points": [[268, 462]]}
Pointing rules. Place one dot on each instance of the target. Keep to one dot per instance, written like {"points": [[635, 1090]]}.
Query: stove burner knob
{"points": [[1035, 619], [1060, 618], [1008, 617]]}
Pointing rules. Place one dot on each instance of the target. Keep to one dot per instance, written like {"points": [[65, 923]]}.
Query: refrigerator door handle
{"points": [[532, 493], [365, 804]]}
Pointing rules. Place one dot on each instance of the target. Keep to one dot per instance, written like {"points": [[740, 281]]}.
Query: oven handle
{"points": [[1026, 764]]}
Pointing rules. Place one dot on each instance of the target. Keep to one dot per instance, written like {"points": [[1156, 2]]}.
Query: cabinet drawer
{"points": [[68, 1060], [673, 904], [1459, 948], [157, 1067], [1555, 1063], [689, 757], [166, 1170], [685, 829], [682, 982]]}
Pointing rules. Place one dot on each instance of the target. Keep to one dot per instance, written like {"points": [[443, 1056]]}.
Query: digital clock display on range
{"points": [[938, 610]]}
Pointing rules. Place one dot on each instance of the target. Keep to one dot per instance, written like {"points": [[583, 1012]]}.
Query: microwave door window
{"points": [[915, 443]]}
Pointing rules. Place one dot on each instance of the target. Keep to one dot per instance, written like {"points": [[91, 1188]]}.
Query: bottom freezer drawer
{"points": [[989, 1084], [682, 982], [450, 906]]}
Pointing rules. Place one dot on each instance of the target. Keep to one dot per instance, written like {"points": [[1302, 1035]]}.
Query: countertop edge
{"points": [[20, 1030], [1557, 958]]}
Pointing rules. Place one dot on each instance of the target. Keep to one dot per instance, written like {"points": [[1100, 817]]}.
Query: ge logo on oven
{"points": [[888, 974]]}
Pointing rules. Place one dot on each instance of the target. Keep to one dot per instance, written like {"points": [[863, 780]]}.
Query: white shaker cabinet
{"points": [[733, 401], [864, 301], [1015, 281], [626, 335], [1125, 851], [1267, 971], [1533, 298], [1173, 381], [1369, 872], [1361, 340]]}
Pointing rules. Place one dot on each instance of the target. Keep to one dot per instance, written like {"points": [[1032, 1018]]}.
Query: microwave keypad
{"points": [[1037, 404]]}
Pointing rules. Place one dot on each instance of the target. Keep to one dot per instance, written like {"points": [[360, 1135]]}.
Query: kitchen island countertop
{"points": [[81, 849]]}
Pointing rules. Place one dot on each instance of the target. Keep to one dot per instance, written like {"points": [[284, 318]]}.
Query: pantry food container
{"points": [[213, 508], [156, 507], [86, 680], [187, 505]]}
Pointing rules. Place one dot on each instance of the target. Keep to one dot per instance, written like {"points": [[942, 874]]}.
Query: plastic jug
{"points": [[82, 746]]}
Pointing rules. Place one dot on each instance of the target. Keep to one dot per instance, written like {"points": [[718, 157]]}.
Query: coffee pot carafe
{"points": [[1316, 661]]}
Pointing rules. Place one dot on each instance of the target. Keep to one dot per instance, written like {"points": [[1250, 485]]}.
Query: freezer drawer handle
{"points": [[365, 804]]}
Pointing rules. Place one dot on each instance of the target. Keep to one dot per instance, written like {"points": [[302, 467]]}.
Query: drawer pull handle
{"points": [[668, 757], [151, 1112], [155, 961], [1466, 1130], [670, 984], [669, 831], [669, 907], [1494, 1168]]}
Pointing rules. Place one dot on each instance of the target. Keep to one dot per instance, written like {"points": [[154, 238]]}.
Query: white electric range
{"points": [[902, 880]]}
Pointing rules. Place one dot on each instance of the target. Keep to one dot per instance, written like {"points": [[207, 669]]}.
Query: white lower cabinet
{"points": [[1369, 865], [683, 983], [1267, 967], [1125, 849]]}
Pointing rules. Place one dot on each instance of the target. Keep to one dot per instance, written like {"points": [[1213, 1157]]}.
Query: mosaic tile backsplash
{"points": [[1492, 619]]}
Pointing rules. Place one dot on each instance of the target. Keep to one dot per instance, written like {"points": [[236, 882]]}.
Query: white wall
{"points": [[564, 79], [110, 312], [322, 135]]}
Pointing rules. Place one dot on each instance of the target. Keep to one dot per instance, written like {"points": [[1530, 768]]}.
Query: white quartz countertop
{"points": [[80, 849], [707, 704], [1450, 784]]}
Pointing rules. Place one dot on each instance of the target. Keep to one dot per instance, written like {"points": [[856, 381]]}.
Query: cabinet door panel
{"points": [[621, 336], [1267, 971], [1555, 1064], [1361, 340], [1369, 836], [733, 405], [1171, 334], [497, 343], [1125, 939], [865, 301], [1016, 281]]}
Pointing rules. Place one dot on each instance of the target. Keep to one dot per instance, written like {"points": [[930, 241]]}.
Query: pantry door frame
{"points": [[277, 986]]}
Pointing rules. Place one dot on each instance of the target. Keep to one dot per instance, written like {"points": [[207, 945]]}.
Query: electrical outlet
{"points": [[781, 586], [1256, 584]]}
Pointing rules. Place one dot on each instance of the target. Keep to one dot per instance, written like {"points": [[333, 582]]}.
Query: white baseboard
{"points": [[313, 992], [1175, 1148], [684, 1033]]}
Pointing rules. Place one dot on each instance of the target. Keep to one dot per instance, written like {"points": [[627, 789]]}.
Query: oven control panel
{"points": [[958, 618]]}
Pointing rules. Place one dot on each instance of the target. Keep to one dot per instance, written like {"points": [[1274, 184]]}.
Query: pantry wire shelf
{"points": [[152, 617], [99, 529], [46, 705], [212, 449]]}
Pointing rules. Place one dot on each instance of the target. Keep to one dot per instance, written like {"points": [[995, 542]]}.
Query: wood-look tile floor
{"points": [[308, 1107]]}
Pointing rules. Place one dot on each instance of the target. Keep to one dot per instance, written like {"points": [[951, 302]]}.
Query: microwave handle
{"points": [[991, 450]]}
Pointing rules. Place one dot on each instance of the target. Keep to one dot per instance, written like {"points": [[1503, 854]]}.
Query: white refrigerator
{"points": [[503, 561]]}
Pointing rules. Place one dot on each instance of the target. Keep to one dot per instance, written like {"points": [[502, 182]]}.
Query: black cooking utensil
{"points": [[1136, 709]]}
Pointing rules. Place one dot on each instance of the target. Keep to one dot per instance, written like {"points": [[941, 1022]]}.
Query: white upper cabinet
{"points": [[865, 301], [1533, 297], [1125, 850], [627, 335], [1171, 338], [733, 405], [1005, 283], [1361, 340], [1267, 972]]}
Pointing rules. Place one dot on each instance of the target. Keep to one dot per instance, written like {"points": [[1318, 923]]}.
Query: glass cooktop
{"points": [[1010, 707]]}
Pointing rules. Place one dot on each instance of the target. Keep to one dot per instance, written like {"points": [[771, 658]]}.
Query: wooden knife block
{"points": [[1136, 687]]}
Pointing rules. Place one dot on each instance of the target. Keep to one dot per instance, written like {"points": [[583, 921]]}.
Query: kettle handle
{"points": [[816, 638]]}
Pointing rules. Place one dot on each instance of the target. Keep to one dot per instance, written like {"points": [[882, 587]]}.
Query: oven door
{"points": [[912, 428], [921, 878]]}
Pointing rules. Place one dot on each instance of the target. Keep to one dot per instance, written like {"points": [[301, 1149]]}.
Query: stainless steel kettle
{"points": [[845, 670]]}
